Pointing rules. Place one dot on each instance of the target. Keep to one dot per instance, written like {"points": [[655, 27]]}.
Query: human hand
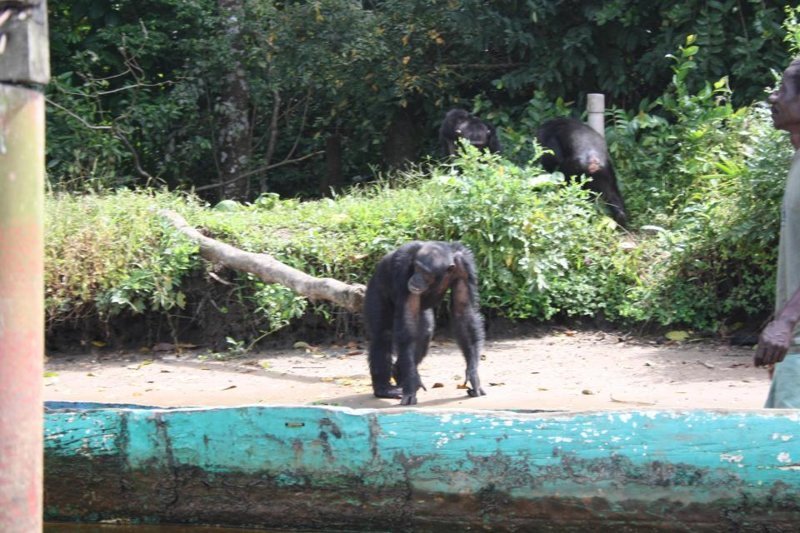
{"points": [[773, 343]]}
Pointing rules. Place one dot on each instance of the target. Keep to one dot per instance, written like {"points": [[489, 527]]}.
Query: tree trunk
{"points": [[233, 110], [270, 270], [402, 145], [333, 165]]}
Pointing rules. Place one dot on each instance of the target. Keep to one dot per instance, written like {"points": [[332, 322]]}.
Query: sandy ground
{"points": [[558, 370]]}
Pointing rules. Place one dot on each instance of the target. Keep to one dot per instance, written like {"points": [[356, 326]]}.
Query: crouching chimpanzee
{"points": [[458, 125], [578, 149], [408, 283]]}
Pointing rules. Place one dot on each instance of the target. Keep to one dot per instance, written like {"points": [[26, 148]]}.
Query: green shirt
{"points": [[788, 279]]}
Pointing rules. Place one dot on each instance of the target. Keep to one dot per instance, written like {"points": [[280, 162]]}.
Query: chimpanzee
{"points": [[408, 283], [458, 124], [578, 149]]}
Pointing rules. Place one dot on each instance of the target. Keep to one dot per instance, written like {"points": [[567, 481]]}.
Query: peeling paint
{"points": [[404, 469]]}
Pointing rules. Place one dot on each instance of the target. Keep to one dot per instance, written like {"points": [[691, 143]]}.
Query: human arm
{"points": [[775, 339]]}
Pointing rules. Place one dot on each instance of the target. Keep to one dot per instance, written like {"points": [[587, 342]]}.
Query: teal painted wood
{"points": [[629, 466]]}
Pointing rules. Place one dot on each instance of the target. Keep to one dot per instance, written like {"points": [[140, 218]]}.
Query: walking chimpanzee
{"points": [[408, 283], [578, 149], [458, 124]]}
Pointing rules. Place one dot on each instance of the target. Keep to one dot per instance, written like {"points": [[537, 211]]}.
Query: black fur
{"points": [[578, 149], [408, 283], [458, 124]]}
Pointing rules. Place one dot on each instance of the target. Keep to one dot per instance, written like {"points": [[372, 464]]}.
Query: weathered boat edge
{"points": [[413, 469]]}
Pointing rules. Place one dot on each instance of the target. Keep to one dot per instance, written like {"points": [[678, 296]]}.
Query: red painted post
{"points": [[24, 60], [21, 308]]}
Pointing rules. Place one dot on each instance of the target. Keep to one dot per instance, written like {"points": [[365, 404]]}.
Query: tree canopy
{"points": [[234, 98]]}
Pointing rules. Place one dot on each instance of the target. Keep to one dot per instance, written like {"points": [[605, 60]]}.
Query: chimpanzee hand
{"points": [[397, 375], [410, 393], [409, 399], [474, 390], [474, 393], [773, 343]]}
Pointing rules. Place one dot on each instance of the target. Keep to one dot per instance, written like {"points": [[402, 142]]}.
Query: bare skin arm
{"points": [[775, 339]]}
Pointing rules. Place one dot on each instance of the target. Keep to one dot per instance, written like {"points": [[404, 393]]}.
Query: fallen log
{"points": [[270, 270]]}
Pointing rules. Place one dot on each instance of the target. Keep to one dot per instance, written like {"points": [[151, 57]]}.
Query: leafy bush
{"points": [[702, 180], [542, 247], [708, 178], [109, 254], [142, 94]]}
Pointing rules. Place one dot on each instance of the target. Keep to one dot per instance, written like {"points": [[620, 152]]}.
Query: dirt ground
{"points": [[554, 370]]}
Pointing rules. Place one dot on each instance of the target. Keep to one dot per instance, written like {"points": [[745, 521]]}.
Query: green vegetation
{"points": [[309, 95], [703, 258], [701, 169]]}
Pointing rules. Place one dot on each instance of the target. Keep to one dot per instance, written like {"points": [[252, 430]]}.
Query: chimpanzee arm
{"points": [[379, 313], [467, 321], [494, 140], [409, 334]]}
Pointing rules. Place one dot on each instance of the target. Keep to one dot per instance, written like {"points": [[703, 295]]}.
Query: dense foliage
{"points": [[704, 259], [702, 175], [297, 97]]}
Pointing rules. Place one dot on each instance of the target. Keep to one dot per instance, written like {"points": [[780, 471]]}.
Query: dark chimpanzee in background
{"points": [[408, 283], [458, 124], [578, 149]]}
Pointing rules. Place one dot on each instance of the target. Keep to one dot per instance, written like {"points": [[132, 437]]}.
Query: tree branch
{"points": [[270, 270], [256, 171]]}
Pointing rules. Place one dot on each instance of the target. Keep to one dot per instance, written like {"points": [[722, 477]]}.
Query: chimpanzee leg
{"points": [[379, 319], [468, 326], [409, 334]]}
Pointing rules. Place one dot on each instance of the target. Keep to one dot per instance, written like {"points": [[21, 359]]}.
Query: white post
{"points": [[596, 106]]}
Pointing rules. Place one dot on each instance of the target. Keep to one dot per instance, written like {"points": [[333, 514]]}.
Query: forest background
{"points": [[307, 130]]}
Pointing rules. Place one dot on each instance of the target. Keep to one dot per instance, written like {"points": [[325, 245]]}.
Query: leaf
{"points": [[50, 374], [677, 335], [228, 206], [690, 51]]}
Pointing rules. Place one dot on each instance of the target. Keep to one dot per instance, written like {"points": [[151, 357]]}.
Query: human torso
{"points": [[788, 276]]}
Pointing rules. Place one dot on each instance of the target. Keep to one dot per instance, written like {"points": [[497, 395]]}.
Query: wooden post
{"points": [[596, 107], [24, 63]]}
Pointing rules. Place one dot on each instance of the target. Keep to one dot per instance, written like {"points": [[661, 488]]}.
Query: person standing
{"points": [[779, 342]]}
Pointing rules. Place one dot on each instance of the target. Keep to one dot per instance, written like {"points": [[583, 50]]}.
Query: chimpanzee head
{"points": [[475, 131], [432, 264], [461, 126]]}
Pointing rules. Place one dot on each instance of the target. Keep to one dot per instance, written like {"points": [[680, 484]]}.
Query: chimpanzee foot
{"points": [[395, 393], [408, 399]]}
